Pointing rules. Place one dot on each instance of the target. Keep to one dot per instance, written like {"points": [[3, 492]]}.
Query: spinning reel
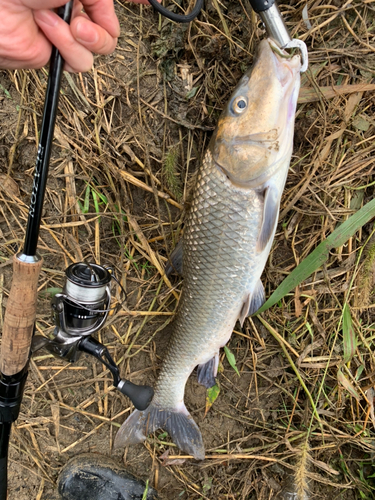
{"points": [[80, 310]]}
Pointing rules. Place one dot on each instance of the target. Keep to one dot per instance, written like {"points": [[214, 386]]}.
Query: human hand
{"points": [[28, 29]]}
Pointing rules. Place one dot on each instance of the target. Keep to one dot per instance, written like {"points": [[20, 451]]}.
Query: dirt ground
{"points": [[129, 136]]}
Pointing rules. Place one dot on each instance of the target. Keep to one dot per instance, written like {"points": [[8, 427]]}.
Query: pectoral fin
{"points": [[270, 216], [254, 301], [174, 263]]}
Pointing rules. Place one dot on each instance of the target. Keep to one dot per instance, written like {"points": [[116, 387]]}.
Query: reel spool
{"points": [[83, 306]]}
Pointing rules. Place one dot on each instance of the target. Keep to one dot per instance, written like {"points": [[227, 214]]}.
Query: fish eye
{"points": [[239, 105]]}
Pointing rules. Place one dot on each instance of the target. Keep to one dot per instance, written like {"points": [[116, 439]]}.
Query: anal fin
{"points": [[207, 372]]}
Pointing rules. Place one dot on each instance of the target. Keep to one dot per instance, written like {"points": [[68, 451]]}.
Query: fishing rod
{"points": [[21, 307], [273, 21], [20, 312], [80, 310]]}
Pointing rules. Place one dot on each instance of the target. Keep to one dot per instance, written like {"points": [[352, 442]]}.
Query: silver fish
{"points": [[227, 240]]}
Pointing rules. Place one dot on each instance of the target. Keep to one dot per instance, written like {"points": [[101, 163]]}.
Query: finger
{"points": [[59, 34], [102, 12], [43, 4], [92, 36], [39, 54], [34, 56], [77, 9], [68, 68], [145, 2], [12, 64]]}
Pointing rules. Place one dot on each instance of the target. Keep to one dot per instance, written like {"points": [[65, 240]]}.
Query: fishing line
{"points": [[178, 18]]}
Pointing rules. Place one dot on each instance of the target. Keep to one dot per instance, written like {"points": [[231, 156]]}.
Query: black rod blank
{"points": [[45, 142], [4, 443]]}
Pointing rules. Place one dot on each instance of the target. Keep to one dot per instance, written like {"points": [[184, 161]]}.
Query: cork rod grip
{"points": [[19, 316]]}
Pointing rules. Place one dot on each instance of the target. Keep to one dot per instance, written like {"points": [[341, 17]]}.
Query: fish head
{"points": [[255, 131]]}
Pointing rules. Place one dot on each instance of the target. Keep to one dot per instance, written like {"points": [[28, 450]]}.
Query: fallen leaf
{"points": [[347, 385], [370, 396], [231, 359], [170, 461], [9, 185], [360, 123], [211, 396], [349, 336]]}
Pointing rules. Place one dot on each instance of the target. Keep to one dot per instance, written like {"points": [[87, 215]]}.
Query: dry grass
{"points": [[116, 129]]}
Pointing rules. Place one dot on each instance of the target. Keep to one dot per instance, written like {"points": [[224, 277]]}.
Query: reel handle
{"points": [[140, 395]]}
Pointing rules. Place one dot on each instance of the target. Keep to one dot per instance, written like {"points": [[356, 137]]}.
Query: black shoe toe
{"points": [[97, 477]]}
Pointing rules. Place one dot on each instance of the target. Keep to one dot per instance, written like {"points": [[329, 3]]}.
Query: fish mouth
{"points": [[286, 65]]}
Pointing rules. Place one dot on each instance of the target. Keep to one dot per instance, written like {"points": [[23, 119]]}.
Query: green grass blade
{"points": [[145, 493], [278, 338], [171, 171], [51, 292], [350, 340], [96, 201], [86, 203], [80, 206], [347, 385], [320, 255], [100, 195]]}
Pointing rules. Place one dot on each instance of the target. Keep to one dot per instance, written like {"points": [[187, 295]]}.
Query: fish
{"points": [[227, 239]]}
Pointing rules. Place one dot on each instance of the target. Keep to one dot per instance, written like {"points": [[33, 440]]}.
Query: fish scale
{"points": [[227, 239]]}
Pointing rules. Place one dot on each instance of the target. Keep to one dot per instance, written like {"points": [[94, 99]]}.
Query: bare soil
{"points": [[139, 124]]}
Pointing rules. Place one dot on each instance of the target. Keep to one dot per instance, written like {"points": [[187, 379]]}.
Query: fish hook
{"points": [[299, 44]]}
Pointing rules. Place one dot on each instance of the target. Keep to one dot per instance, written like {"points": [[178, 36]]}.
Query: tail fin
{"points": [[179, 425]]}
